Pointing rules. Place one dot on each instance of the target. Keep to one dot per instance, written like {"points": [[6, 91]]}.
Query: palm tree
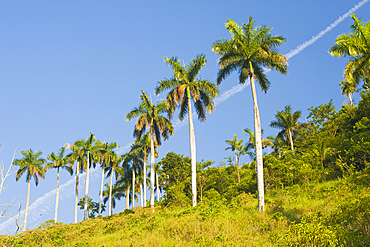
{"points": [[105, 155], [249, 50], [356, 46], [58, 162], [111, 170], [288, 123], [184, 88], [78, 156], [116, 193], [148, 116], [238, 148], [250, 147], [136, 162], [89, 151], [31, 164]]}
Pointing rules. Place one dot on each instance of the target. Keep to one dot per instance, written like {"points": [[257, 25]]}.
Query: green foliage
{"points": [[92, 207]]}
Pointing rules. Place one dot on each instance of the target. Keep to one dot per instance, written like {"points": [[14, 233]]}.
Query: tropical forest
{"points": [[308, 185]]}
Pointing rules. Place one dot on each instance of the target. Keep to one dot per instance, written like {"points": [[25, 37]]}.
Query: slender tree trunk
{"points": [[151, 168], [258, 142], [141, 195], [76, 199], [57, 198], [128, 197], [192, 153], [133, 187], [101, 188], [291, 141], [110, 194], [27, 203], [144, 174], [86, 188], [237, 165], [158, 194]]}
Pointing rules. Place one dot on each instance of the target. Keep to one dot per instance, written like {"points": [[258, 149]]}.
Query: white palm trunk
{"points": [[152, 169], [128, 197], [86, 188], [258, 142], [144, 174], [101, 189], [192, 153], [77, 182], [141, 195], [110, 194], [291, 141], [56, 198], [133, 187], [27, 203], [158, 194], [237, 164]]}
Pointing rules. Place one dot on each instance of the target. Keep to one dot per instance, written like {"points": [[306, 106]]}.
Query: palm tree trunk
{"points": [[133, 187], [192, 153], [76, 200], [151, 168], [128, 197], [86, 188], [110, 194], [141, 195], [237, 165], [27, 203], [144, 174], [291, 141], [258, 142], [101, 189], [158, 194], [56, 199]]}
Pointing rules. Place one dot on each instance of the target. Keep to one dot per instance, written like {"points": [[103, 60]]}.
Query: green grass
{"points": [[334, 213]]}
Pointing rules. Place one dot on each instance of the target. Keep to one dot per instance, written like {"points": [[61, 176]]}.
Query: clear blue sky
{"points": [[69, 68]]}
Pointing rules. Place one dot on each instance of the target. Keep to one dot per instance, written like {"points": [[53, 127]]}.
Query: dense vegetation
{"points": [[315, 173]]}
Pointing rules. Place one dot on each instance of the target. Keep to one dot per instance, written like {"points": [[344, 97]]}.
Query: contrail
{"points": [[294, 52]]}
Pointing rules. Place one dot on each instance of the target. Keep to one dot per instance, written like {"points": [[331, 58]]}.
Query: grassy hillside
{"points": [[332, 213]]}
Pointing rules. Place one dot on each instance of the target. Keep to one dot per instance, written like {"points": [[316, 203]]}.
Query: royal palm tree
{"points": [[115, 194], [149, 117], [238, 148], [288, 123], [111, 169], [90, 151], [58, 161], [78, 156], [356, 46], [185, 87], [135, 161], [31, 164], [250, 146], [105, 155], [249, 51]]}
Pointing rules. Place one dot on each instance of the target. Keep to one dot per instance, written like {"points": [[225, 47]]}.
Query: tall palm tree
{"points": [[148, 117], [185, 87], [356, 46], [58, 162], [78, 156], [90, 151], [288, 123], [239, 149], [116, 193], [111, 170], [105, 155], [135, 160], [249, 50], [31, 164]]}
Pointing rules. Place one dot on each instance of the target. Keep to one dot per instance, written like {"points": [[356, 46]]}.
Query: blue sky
{"points": [[69, 68]]}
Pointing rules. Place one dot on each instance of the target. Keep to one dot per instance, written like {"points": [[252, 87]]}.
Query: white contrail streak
{"points": [[294, 52]]}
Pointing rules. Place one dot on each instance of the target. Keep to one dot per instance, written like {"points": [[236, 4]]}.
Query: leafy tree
{"points": [[31, 165], [92, 207], [356, 46], [58, 162], [184, 88], [148, 117], [239, 150], [249, 50], [288, 123]]}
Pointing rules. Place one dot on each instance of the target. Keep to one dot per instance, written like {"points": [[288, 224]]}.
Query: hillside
{"points": [[330, 213]]}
